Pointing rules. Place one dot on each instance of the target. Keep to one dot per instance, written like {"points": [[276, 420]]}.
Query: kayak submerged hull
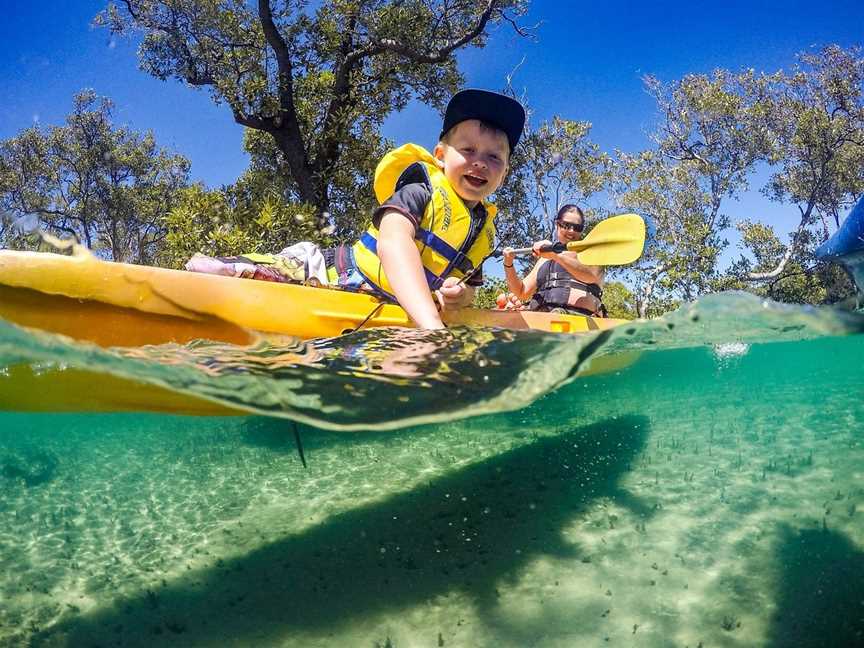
{"points": [[121, 305], [68, 390]]}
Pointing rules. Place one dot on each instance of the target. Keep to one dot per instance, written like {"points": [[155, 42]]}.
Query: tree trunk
{"points": [[647, 292], [310, 189]]}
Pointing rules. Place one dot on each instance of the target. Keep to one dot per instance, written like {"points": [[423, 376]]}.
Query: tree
{"points": [[267, 179], [619, 300], [807, 126], [233, 220], [814, 119], [554, 164], [815, 283], [319, 82], [485, 295], [19, 233], [106, 186], [706, 145]]}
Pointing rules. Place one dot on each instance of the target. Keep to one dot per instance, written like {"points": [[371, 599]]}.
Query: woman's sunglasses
{"points": [[570, 227]]}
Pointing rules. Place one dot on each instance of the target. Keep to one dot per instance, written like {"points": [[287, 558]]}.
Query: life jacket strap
{"points": [[566, 280], [371, 244], [456, 258]]}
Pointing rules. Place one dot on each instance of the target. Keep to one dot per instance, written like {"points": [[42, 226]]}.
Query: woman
{"points": [[558, 282]]}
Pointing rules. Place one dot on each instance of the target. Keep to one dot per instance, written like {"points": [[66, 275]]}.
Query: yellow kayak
{"points": [[122, 305], [118, 304]]}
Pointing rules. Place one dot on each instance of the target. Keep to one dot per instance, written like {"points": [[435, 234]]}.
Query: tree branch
{"points": [[286, 127], [341, 98], [283, 56], [436, 56]]}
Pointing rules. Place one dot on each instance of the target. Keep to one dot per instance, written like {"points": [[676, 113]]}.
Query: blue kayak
{"points": [[846, 246]]}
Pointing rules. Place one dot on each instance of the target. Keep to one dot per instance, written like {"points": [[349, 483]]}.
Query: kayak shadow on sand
{"points": [[465, 533]]}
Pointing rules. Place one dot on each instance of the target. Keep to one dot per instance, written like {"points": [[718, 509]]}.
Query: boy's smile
{"points": [[474, 160]]}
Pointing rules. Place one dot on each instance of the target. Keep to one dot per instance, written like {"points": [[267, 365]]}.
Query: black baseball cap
{"points": [[493, 108]]}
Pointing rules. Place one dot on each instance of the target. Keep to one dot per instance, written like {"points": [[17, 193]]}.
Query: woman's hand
{"points": [[543, 255], [508, 301], [509, 256]]}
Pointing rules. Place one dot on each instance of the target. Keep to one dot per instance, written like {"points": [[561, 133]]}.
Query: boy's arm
{"points": [[400, 260]]}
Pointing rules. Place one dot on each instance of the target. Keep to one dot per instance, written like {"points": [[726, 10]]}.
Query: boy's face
{"points": [[474, 160]]}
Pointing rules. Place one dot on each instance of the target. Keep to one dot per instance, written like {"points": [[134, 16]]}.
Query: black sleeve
{"points": [[409, 200]]}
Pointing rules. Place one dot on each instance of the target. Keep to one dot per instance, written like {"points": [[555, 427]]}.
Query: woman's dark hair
{"points": [[568, 208]]}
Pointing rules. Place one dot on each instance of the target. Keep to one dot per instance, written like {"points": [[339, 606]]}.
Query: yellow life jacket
{"points": [[444, 230]]}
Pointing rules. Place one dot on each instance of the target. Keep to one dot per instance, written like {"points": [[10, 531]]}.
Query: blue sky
{"points": [[586, 64]]}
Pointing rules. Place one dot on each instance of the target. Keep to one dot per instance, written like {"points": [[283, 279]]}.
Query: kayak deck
{"points": [[117, 304]]}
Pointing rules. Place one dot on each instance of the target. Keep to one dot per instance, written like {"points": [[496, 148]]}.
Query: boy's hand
{"points": [[508, 256], [453, 295]]}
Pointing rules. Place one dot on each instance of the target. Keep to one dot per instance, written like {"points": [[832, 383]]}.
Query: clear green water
{"points": [[463, 490]]}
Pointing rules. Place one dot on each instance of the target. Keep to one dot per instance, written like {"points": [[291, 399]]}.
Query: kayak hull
{"points": [[69, 390], [846, 245]]}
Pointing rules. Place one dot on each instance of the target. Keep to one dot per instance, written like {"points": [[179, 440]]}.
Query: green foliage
{"points": [[706, 147], [106, 186], [824, 284], [267, 175], [484, 296], [804, 280], [553, 165], [817, 127], [229, 222], [21, 233], [814, 123], [318, 79], [807, 126], [619, 300]]}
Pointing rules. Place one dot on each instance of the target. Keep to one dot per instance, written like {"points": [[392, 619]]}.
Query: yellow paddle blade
{"points": [[618, 240]]}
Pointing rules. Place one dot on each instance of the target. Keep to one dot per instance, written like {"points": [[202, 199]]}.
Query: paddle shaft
{"points": [[555, 247]]}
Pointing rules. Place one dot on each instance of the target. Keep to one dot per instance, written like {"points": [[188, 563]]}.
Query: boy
{"points": [[433, 227]]}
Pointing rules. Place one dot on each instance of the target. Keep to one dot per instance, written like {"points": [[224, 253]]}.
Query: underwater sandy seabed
{"points": [[694, 499]]}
